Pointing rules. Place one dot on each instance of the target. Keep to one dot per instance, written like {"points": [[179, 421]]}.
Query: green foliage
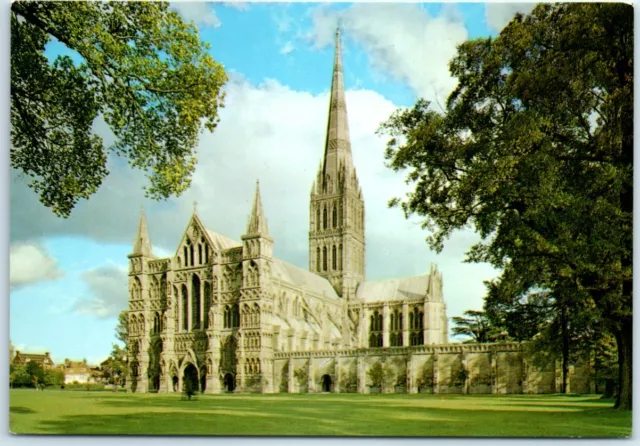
{"points": [[302, 375], [461, 377], [54, 378], [91, 387], [142, 69], [425, 378], [376, 374], [115, 368], [475, 326], [19, 377], [122, 329], [535, 152]]}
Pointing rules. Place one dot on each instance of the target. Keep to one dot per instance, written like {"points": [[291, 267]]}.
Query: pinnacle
{"points": [[142, 242], [257, 220]]}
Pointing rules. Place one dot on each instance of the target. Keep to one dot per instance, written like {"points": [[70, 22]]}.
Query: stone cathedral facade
{"points": [[225, 315]]}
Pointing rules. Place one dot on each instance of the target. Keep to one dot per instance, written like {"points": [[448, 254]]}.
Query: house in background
{"points": [[77, 372], [43, 359]]}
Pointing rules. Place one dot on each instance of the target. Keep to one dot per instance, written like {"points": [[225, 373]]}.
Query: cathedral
{"points": [[227, 316]]}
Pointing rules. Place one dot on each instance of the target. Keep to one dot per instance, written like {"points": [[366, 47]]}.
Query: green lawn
{"points": [[77, 412]]}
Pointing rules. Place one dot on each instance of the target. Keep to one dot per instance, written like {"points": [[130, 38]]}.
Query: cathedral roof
{"points": [[393, 289], [221, 241], [302, 278]]}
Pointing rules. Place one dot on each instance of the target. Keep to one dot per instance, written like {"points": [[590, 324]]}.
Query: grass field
{"points": [[65, 412]]}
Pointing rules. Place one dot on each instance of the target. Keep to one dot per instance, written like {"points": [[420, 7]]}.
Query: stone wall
{"points": [[452, 368]]}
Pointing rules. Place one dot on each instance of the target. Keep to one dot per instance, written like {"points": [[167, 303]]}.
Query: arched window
{"points": [[318, 263], [195, 303], [340, 257], [199, 254], [185, 308], [235, 318], [227, 317], [335, 217], [185, 253], [324, 258], [324, 217], [206, 254], [207, 304], [375, 329], [335, 260], [340, 214], [191, 263], [318, 220]]}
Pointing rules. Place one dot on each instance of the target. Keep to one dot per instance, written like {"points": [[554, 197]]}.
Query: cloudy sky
{"points": [[68, 277]]}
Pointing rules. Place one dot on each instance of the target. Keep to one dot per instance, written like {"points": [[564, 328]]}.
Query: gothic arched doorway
{"points": [[155, 382], [175, 383], [229, 382], [190, 378], [326, 383], [203, 383]]}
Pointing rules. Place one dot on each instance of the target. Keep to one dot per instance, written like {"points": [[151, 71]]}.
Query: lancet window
{"points": [[395, 328], [375, 329]]}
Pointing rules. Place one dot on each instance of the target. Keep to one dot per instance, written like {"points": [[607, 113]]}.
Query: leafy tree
{"points": [[115, 368], [122, 329], [141, 68], [36, 373], [475, 326], [535, 151], [19, 377], [53, 377]]}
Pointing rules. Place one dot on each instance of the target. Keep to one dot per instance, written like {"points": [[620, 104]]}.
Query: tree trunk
{"points": [[624, 339], [564, 321]]}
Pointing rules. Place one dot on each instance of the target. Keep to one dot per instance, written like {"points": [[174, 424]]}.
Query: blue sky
{"points": [[68, 277]]}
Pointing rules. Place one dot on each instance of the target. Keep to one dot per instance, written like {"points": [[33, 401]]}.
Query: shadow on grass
{"points": [[373, 422], [21, 410]]}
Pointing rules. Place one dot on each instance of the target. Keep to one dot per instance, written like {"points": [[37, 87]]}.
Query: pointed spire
{"points": [[142, 242], [337, 145], [257, 220]]}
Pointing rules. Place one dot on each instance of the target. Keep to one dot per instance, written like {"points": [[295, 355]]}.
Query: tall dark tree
{"points": [[142, 69], [535, 151]]}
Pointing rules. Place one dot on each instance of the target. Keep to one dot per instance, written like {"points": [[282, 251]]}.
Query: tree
{"points": [[19, 377], [35, 372], [143, 70], [535, 151], [53, 377], [122, 329], [475, 326], [115, 368]]}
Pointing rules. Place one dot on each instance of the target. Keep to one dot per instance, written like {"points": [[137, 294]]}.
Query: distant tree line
{"points": [[33, 375]]}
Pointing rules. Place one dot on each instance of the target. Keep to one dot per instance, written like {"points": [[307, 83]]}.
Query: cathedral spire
{"points": [[142, 242], [337, 150], [257, 220]]}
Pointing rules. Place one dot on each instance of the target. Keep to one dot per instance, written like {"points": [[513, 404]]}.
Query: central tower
{"points": [[336, 221]]}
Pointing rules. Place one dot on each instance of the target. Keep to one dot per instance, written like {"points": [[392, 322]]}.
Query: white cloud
{"points": [[287, 48], [109, 295], [275, 134], [498, 15], [401, 40], [201, 13], [239, 5], [31, 263]]}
